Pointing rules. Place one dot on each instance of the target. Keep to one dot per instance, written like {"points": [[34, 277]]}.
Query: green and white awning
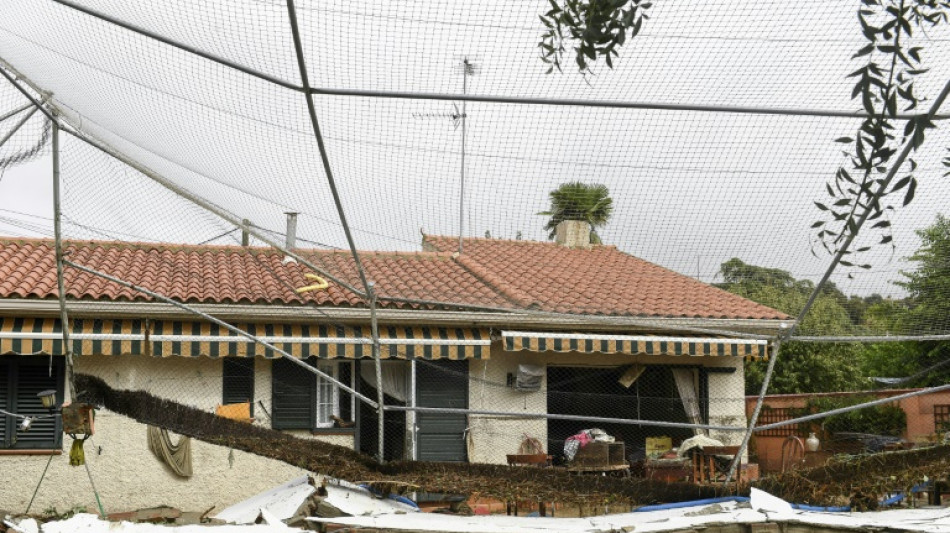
{"points": [[534, 341], [162, 338]]}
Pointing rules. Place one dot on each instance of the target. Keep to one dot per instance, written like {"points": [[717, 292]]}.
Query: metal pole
{"points": [[411, 415], [614, 104], [908, 148], [60, 282], [880, 401], [884, 185], [579, 418], [311, 109], [869, 338], [380, 399], [179, 45], [226, 326], [16, 127], [462, 180], [37, 489], [14, 112]]}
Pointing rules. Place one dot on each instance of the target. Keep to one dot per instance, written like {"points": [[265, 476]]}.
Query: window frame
{"points": [[320, 407], [322, 388]]}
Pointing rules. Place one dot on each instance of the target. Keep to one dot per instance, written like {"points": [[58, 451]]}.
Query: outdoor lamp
{"points": [[48, 397]]}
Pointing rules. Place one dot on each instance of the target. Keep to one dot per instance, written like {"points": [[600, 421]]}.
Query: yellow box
{"points": [[657, 446]]}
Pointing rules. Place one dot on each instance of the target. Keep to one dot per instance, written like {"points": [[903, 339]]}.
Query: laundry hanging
{"points": [[176, 456]]}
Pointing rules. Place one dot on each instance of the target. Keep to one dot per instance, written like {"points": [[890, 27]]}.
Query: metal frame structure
{"points": [[368, 293]]}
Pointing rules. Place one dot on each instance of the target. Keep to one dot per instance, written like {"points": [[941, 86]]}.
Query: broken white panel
{"points": [[281, 502], [90, 523], [357, 501]]}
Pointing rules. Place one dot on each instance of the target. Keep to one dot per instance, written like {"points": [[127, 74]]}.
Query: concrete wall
{"points": [[128, 476], [492, 438], [919, 409]]}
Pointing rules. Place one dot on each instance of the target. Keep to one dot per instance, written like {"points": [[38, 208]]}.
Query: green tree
{"points": [[928, 310], [579, 201], [802, 367]]}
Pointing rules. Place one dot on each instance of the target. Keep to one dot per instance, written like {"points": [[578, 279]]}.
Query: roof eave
{"points": [[298, 314]]}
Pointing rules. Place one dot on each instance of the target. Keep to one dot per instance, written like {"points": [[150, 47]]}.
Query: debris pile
{"points": [[860, 481]]}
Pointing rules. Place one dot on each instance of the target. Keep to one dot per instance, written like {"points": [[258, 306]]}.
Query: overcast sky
{"points": [[691, 189]]}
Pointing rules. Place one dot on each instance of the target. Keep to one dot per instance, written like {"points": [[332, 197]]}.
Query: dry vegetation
{"points": [[858, 481]]}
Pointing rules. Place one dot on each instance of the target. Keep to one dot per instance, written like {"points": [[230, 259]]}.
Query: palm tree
{"points": [[579, 201]]}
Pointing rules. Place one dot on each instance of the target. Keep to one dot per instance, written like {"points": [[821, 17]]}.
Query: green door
{"points": [[441, 436]]}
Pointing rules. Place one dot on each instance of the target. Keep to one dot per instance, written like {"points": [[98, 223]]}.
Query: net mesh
{"points": [[714, 135]]}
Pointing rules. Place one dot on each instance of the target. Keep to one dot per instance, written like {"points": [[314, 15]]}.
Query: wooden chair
{"points": [[704, 463]]}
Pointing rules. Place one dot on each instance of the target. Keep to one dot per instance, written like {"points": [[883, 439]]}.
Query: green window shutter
{"points": [[6, 422], [346, 376], [31, 375], [294, 401], [238, 381]]}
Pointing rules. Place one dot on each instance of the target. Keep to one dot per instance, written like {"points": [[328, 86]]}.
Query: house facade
{"points": [[597, 333]]}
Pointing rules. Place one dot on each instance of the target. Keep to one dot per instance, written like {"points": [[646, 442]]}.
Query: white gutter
{"points": [[752, 328], [631, 338]]}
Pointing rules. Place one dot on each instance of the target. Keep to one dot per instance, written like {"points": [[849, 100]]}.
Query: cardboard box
{"points": [[657, 446]]}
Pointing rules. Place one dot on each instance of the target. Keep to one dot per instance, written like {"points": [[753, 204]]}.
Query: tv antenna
{"points": [[458, 116]]}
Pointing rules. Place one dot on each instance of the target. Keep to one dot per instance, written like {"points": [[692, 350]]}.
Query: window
{"points": [[301, 400], [328, 396], [21, 378], [941, 418], [238, 381]]}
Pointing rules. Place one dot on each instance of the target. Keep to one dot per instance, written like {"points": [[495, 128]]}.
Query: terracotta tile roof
{"points": [[231, 274], [491, 273], [601, 280]]}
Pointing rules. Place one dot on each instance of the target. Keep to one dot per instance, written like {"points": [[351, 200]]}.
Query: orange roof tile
{"points": [[491, 273], [601, 280]]}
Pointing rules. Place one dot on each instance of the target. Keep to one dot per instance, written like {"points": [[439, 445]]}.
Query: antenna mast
{"points": [[467, 69]]}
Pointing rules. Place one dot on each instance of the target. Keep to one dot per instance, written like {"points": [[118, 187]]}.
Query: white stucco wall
{"points": [[128, 476], [192, 381], [492, 437], [727, 399]]}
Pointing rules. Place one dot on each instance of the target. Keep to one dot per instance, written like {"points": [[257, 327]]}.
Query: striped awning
{"points": [[531, 341], [162, 338]]}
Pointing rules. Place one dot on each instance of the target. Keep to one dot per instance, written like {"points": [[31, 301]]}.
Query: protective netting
{"points": [[715, 134], [690, 189]]}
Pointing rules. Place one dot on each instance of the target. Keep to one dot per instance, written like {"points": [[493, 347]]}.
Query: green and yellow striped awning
{"points": [[515, 341], [162, 338]]}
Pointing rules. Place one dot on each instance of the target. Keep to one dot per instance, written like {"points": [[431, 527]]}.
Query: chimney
{"points": [[573, 234], [290, 241]]}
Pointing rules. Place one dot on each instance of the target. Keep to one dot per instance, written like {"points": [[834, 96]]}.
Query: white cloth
{"points": [[395, 378]]}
